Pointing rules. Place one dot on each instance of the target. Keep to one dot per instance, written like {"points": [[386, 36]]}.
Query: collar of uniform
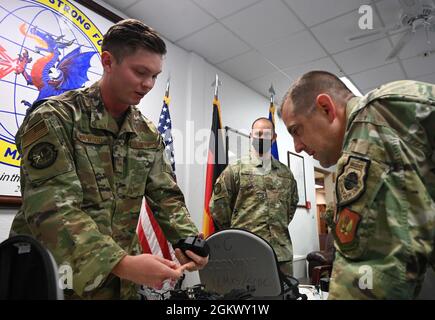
{"points": [[129, 122], [351, 107], [258, 161], [100, 118]]}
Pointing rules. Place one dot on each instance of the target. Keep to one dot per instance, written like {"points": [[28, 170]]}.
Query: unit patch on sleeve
{"points": [[346, 227], [351, 182], [42, 155]]}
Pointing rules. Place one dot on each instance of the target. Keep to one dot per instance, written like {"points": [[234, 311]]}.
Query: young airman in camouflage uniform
{"points": [[259, 194], [88, 158], [383, 145]]}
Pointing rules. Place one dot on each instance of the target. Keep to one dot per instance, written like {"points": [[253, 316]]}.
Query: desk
{"points": [[310, 291]]}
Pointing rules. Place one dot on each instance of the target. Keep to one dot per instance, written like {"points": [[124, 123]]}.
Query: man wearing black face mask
{"points": [[259, 194]]}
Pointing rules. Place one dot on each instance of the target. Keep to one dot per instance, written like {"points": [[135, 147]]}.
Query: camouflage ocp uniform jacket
{"points": [[384, 226], [251, 196], [82, 182]]}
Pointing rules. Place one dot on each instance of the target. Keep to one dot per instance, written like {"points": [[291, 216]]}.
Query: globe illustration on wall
{"points": [[42, 54]]}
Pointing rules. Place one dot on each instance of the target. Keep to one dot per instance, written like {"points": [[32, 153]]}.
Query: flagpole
{"points": [[214, 167], [216, 83], [272, 103], [168, 84], [274, 147], [272, 94]]}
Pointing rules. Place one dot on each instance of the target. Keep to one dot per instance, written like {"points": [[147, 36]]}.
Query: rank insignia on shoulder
{"points": [[347, 224], [42, 155], [351, 182]]}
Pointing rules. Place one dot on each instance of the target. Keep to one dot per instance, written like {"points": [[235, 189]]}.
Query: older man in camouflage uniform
{"points": [[258, 194], [88, 158], [383, 145]]}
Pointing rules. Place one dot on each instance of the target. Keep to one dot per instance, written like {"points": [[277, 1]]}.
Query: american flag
{"points": [[150, 235], [165, 127]]}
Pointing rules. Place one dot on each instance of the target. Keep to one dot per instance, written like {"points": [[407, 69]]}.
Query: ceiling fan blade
{"points": [[361, 35], [364, 35], [404, 39], [410, 7]]}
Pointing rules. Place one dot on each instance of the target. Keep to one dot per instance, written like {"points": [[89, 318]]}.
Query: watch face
{"points": [[42, 155]]}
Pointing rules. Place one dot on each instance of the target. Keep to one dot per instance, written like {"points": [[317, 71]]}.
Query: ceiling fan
{"points": [[414, 15]]}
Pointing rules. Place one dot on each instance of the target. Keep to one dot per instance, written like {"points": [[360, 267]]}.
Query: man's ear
{"points": [[107, 60], [326, 106], [274, 137]]}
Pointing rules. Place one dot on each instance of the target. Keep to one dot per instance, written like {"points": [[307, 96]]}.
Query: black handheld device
{"points": [[195, 244]]}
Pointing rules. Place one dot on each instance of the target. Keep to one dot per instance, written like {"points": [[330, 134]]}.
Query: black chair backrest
{"points": [[239, 260], [28, 271]]}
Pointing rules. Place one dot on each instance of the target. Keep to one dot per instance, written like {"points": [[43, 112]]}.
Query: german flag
{"points": [[216, 163]]}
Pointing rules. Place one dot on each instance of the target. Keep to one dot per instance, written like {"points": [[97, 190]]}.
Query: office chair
{"points": [[28, 271], [241, 260]]}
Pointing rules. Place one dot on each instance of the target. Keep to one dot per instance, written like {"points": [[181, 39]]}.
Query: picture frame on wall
{"points": [[74, 29], [296, 164]]}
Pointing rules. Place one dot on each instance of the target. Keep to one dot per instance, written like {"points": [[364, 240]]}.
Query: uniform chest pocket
{"points": [[282, 184], [94, 166], [138, 166], [252, 186]]}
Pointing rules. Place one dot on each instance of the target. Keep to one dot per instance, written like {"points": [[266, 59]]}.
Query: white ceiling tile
{"points": [[294, 50], [324, 64], [263, 23], [316, 11], [223, 8], [280, 82], [372, 78], [429, 78], [390, 12], [215, 43], [247, 66], [333, 34], [364, 92], [120, 5], [367, 56], [419, 66], [416, 45], [172, 19]]}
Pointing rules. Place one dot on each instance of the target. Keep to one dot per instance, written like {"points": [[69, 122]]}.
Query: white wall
{"points": [[6, 216], [303, 228], [191, 111]]}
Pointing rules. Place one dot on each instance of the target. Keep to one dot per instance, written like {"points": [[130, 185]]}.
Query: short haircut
{"points": [[263, 118], [304, 91], [127, 36]]}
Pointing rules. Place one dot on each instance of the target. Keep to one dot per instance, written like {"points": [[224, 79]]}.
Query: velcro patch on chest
{"points": [[135, 144], [351, 183], [92, 139]]}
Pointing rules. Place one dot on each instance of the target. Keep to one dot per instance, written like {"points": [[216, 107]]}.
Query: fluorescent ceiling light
{"points": [[351, 86]]}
